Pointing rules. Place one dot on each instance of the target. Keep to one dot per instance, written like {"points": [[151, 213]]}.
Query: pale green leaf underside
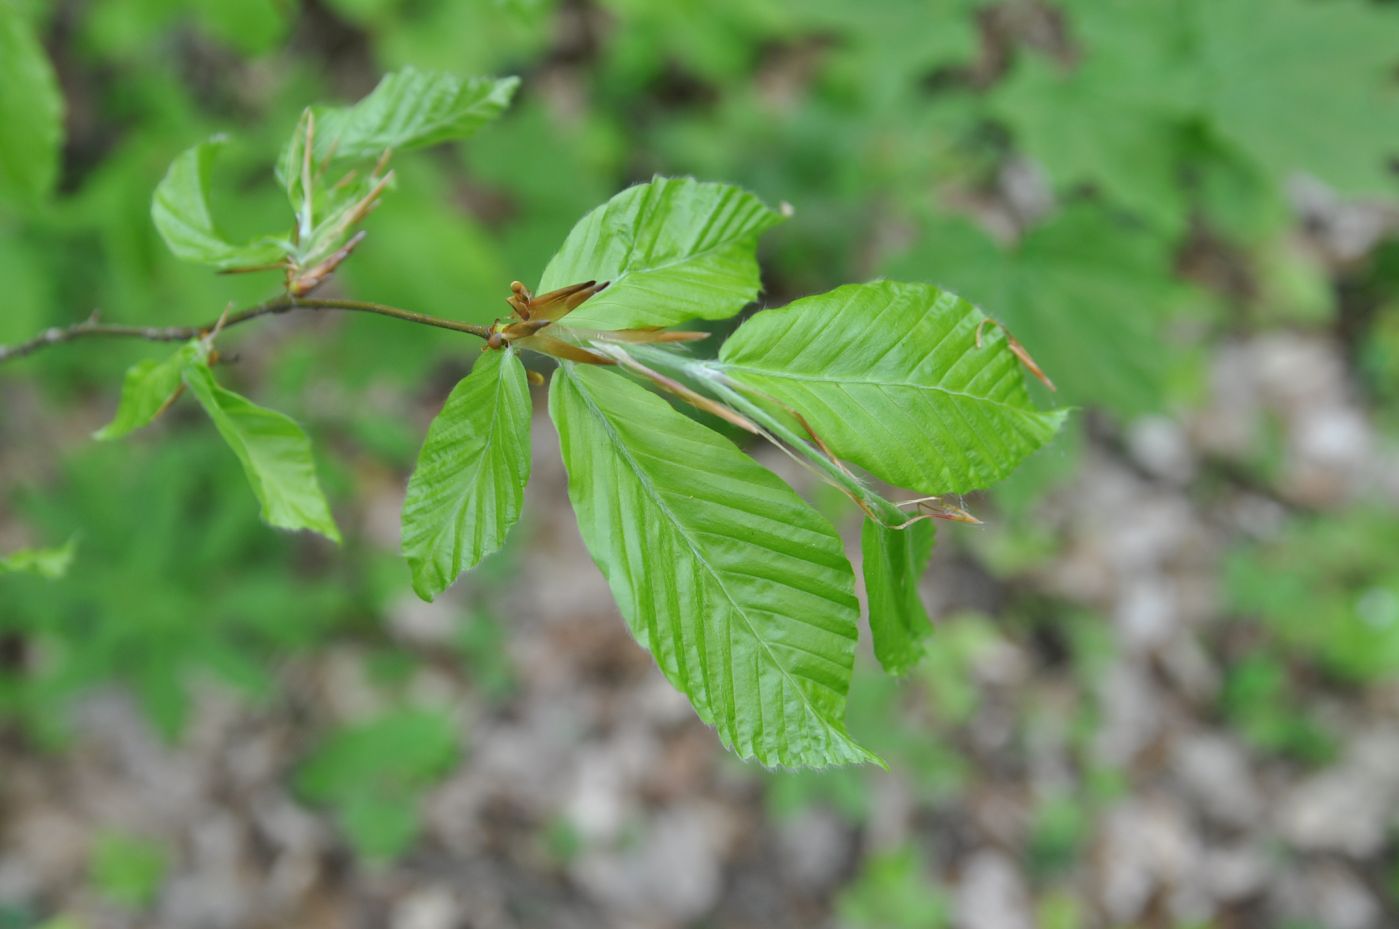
{"points": [[147, 390], [894, 560], [48, 563], [468, 487], [738, 588], [274, 452], [674, 249], [180, 210], [407, 109], [31, 112], [890, 376]]}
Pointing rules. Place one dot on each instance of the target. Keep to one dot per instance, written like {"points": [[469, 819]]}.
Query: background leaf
{"points": [[469, 485], [890, 376], [894, 560], [738, 588], [1115, 121], [180, 210], [275, 453], [674, 249], [31, 112], [1303, 86]]}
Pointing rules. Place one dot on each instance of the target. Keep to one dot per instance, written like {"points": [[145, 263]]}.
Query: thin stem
{"points": [[91, 328]]}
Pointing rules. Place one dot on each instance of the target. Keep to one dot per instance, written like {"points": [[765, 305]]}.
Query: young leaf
{"points": [[31, 112], [180, 209], [48, 563], [894, 559], [738, 588], [407, 109], [469, 484], [890, 376], [674, 249], [1085, 294], [149, 388], [275, 453]]}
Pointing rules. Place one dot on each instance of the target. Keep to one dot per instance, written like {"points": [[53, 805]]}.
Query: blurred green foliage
{"points": [[373, 775], [893, 891], [150, 604], [128, 869], [50, 563], [1328, 590]]}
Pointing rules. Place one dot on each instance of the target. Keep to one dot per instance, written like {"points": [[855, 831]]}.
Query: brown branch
{"points": [[91, 328]]}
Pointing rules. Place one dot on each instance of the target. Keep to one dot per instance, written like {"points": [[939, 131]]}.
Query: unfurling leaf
{"points": [[894, 559], [407, 109], [674, 249], [891, 377], [468, 487], [180, 209], [275, 453], [149, 388], [48, 563], [737, 587], [31, 112]]}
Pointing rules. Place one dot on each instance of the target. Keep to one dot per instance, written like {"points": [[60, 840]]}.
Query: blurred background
{"points": [[1163, 691]]}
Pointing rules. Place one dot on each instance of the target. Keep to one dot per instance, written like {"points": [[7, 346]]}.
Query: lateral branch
{"points": [[92, 327]]}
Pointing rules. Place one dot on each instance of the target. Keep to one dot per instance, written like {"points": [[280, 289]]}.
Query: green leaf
{"points": [[468, 487], [894, 560], [1086, 295], [674, 249], [407, 109], [1304, 86], [890, 376], [31, 112], [149, 388], [48, 563], [736, 586], [274, 452], [180, 209]]}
